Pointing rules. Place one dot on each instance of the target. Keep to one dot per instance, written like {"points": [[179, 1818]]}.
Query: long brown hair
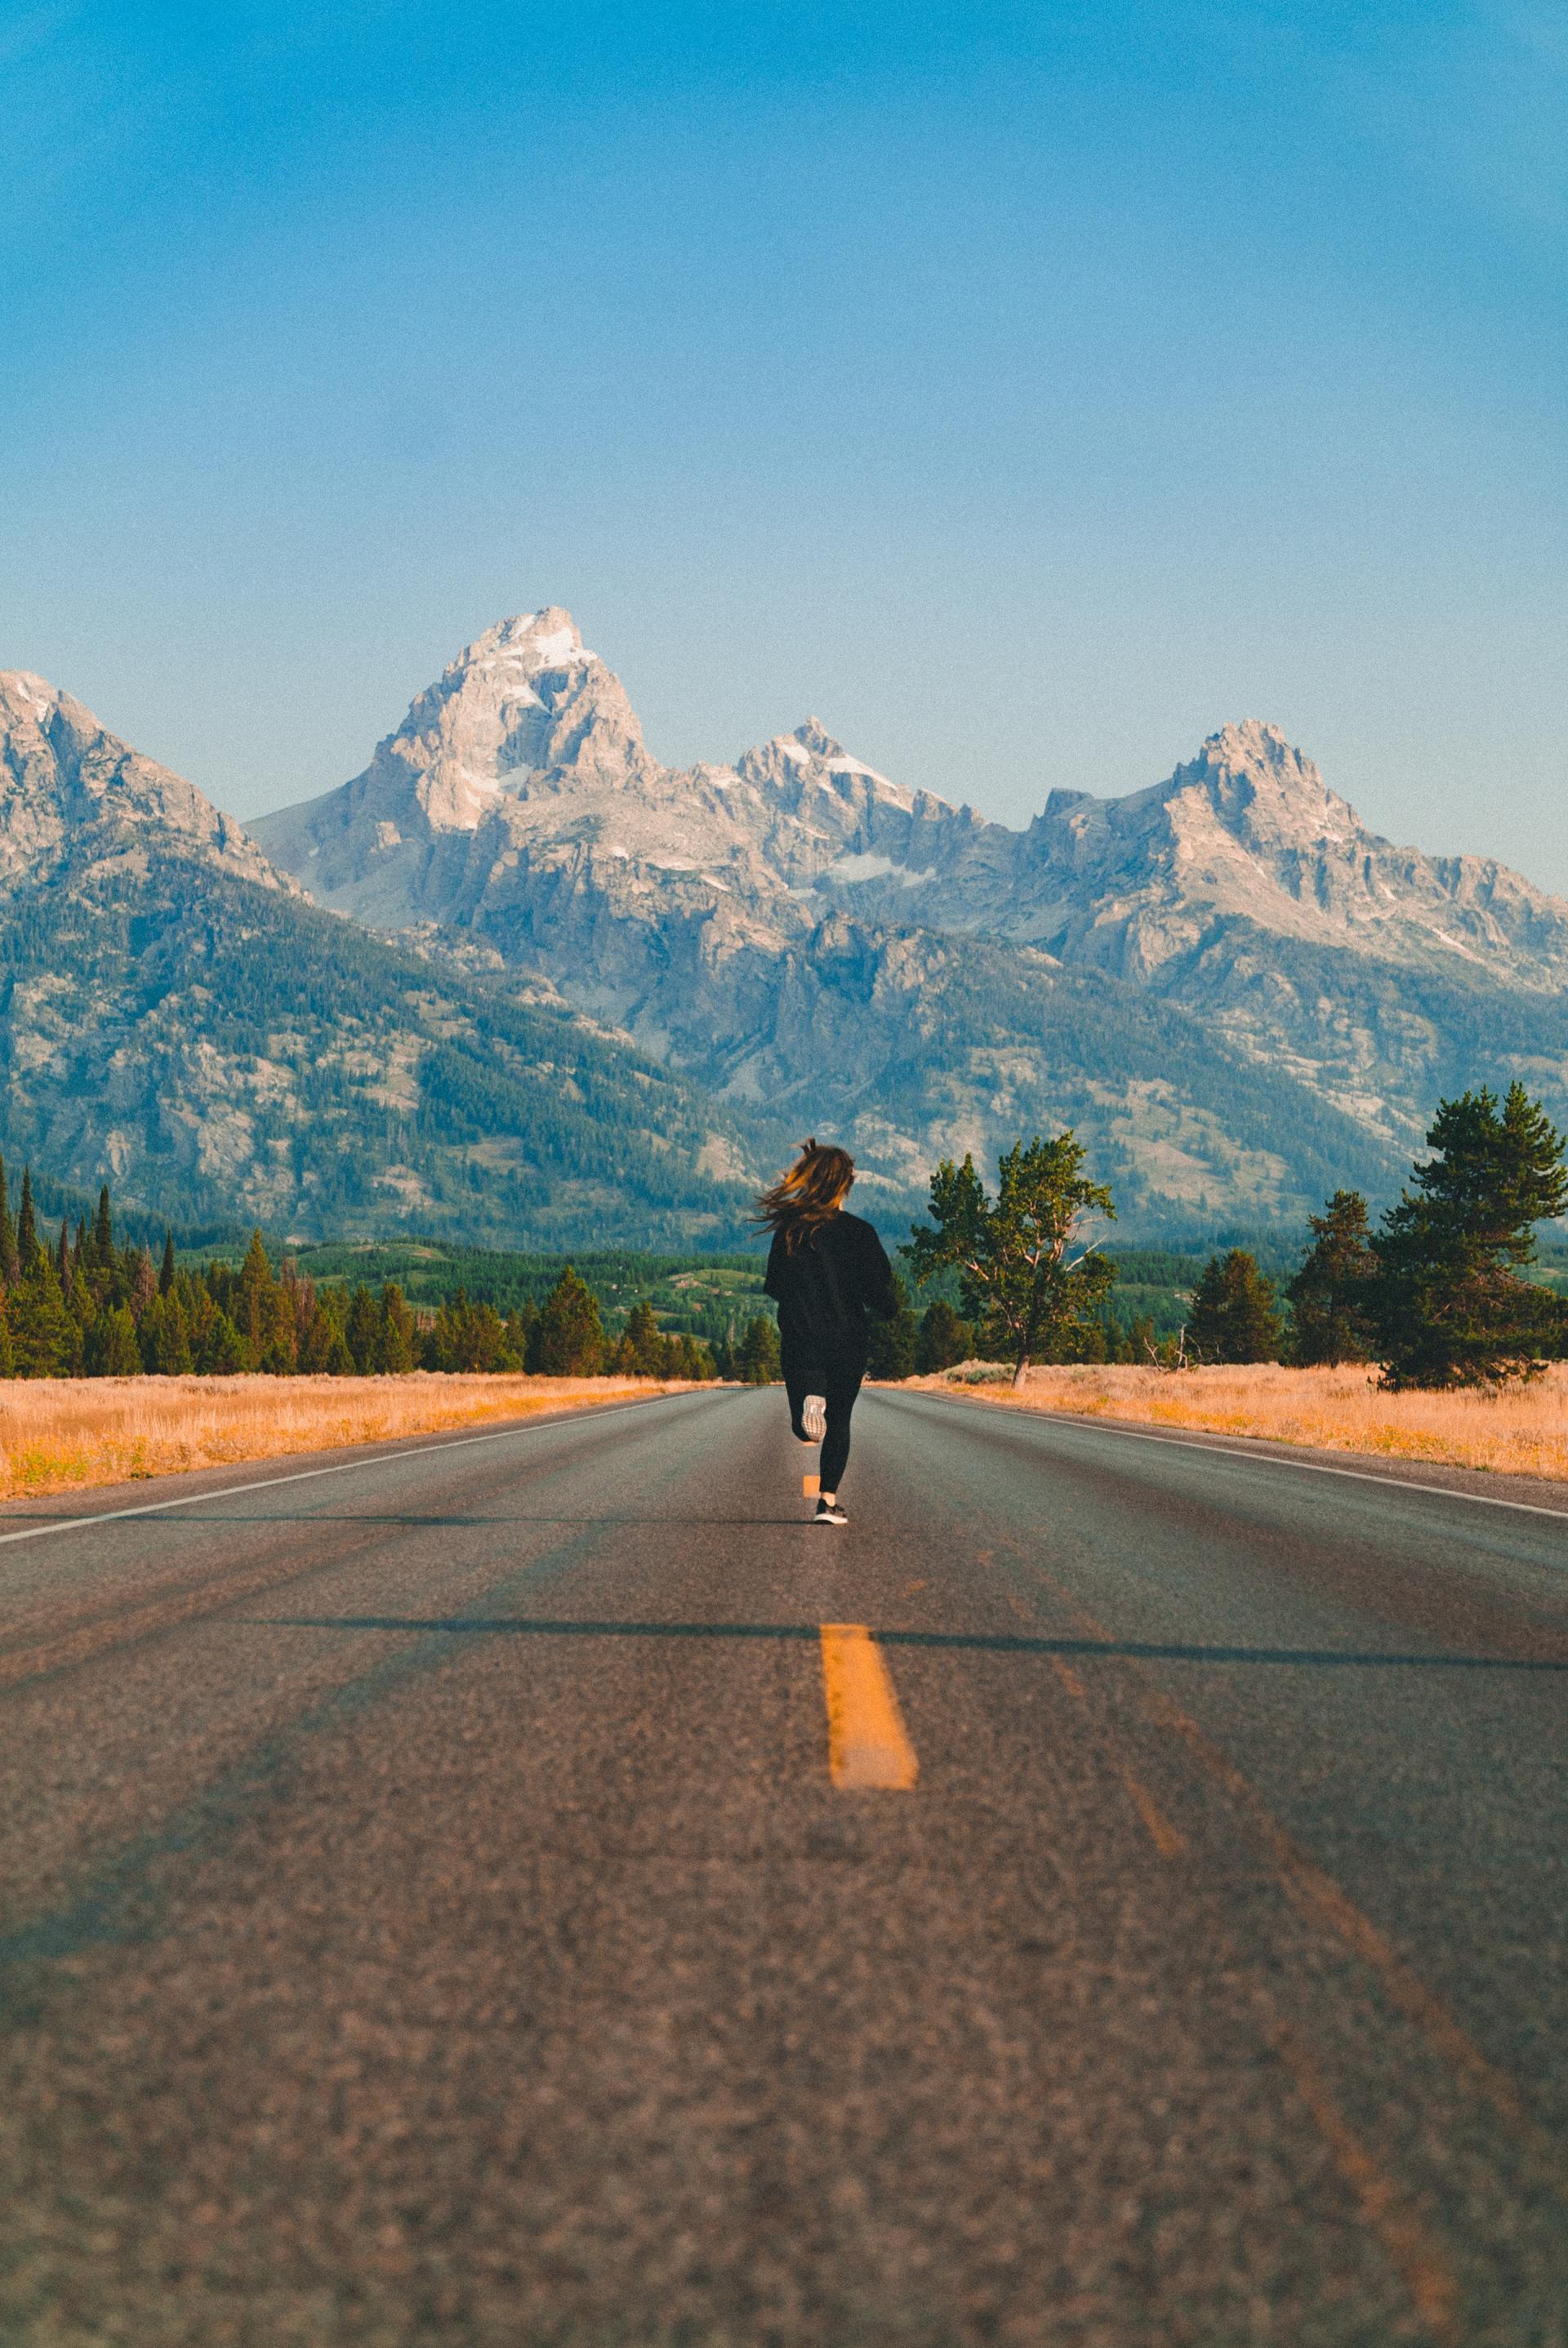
{"points": [[801, 1202]]}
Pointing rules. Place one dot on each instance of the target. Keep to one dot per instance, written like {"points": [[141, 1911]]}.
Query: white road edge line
{"points": [[1264, 1459], [338, 1467]]}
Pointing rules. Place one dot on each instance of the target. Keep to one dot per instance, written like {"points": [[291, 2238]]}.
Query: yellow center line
{"points": [[869, 1749]]}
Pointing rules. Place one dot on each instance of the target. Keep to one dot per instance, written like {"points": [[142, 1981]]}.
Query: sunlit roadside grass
{"points": [[1521, 1431], [59, 1433]]}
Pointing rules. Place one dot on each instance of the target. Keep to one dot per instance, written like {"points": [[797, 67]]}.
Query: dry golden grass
{"points": [[1521, 1431], [56, 1433]]}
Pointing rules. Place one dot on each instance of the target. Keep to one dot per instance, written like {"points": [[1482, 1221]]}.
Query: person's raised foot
{"points": [[814, 1417], [829, 1513]]}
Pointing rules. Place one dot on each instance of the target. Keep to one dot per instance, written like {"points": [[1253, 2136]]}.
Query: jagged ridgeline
{"points": [[179, 1016], [517, 984]]}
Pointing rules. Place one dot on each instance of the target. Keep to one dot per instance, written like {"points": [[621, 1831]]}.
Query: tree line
{"points": [[1436, 1295], [83, 1305]]}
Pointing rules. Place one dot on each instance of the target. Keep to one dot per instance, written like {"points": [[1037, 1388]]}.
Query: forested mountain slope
{"points": [[175, 1014]]}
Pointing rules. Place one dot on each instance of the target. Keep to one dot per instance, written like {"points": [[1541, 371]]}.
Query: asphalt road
{"points": [[431, 1913]]}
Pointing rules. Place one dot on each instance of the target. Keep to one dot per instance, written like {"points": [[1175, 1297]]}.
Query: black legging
{"points": [[838, 1382]]}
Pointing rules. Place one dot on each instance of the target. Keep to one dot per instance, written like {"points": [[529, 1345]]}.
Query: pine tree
{"points": [[641, 1352], [63, 1257], [45, 1337], [1446, 1298], [943, 1338], [103, 1231], [362, 1330], [892, 1344], [27, 1248], [569, 1337], [397, 1343], [164, 1338], [1328, 1296], [757, 1358], [166, 1271], [1235, 1313], [119, 1354], [9, 1267], [143, 1283]]}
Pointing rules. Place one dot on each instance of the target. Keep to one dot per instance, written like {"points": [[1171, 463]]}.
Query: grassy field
{"points": [[59, 1433], [1518, 1432]]}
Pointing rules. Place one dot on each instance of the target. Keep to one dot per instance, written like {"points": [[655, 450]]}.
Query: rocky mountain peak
{"points": [[1257, 783], [72, 794], [527, 644]]}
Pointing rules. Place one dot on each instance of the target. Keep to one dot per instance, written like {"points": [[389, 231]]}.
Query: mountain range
{"points": [[520, 979]]}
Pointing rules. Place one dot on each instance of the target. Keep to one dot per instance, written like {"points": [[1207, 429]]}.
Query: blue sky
{"points": [[1026, 390]]}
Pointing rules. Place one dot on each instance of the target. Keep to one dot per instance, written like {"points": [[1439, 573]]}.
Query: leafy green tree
{"points": [[569, 1339], [1448, 1302], [119, 1354], [1018, 1280], [44, 1335], [1330, 1320], [944, 1338], [1236, 1314], [759, 1361], [893, 1342]]}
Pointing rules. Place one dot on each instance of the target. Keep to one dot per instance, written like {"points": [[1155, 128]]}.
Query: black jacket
{"points": [[828, 1285]]}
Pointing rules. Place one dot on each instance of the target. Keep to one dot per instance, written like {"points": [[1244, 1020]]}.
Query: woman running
{"points": [[826, 1272]]}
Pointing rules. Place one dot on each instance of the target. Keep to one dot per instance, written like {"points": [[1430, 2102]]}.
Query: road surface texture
{"points": [[537, 1888]]}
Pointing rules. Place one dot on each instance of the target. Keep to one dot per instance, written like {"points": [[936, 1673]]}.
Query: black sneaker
{"points": [[830, 1513], [814, 1417]]}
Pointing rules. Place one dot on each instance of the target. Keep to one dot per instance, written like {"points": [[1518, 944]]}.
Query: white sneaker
{"points": [[814, 1417]]}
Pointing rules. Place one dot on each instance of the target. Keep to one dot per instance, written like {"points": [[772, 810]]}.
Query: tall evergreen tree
{"points": [[1330, 1320], [9, 1266], [1236, 1314], [398, 1339], [943, 1338], [758, 1356], [103, 1231], [641, 1352], [27, 1248], [362, 1330], [1448, 1302], [45, 1338], [166, 1270], [893, 1343], [569, 1337]]}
